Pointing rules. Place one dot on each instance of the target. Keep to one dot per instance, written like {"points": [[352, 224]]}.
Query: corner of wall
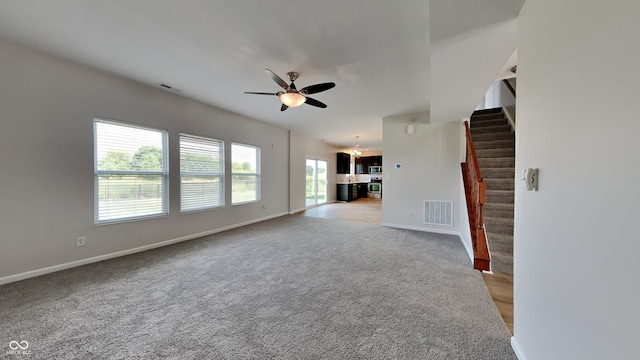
{"points": [[465, 231]]}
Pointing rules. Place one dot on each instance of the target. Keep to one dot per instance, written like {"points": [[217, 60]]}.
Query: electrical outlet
{"points": [[81, 241]]}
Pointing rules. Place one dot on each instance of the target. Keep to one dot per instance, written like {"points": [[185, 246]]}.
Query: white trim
{"points": [[517, 349], [463, 221], [418, 228], [512, 121], [468, 248], [295, 211], [72, 264]]}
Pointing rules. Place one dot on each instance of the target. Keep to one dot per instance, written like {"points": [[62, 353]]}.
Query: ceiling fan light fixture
{"points": [[292, 99]]}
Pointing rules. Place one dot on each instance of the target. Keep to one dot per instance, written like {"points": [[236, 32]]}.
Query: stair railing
{"points": [[475, 193]]}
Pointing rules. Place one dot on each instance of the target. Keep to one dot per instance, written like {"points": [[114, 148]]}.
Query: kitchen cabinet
{"points": [[345, 192], [363, 163], [363, 189], [375, 161], [350, 192], [343, 160]]}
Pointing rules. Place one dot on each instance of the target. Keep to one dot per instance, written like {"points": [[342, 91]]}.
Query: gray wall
{"points": [[47, 107], [464, 67], [430, 170], [303, 147], [576, 239]]}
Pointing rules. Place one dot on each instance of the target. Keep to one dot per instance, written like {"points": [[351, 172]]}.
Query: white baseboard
{"points": [[418, 228], [72, 264], [295, 211], [517, 349]]}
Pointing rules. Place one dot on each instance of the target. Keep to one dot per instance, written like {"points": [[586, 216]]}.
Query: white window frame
{"points": [[316, 160], [256, 174], [163, 174], [184, 138]]}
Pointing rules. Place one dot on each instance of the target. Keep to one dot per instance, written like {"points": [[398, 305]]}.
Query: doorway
{"points": [[316, 189]]}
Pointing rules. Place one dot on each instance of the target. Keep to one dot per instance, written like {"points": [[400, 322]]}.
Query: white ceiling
{"points": [[376, 51]]}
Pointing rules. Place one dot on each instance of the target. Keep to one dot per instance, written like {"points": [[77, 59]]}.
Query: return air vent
{"points": [[437, 212]]}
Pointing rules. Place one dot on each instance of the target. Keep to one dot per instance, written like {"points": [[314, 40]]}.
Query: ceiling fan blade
{"points": [[259, 93], [313, 89], [283, 107], [314, 102], [277, 79], [293, 86]]}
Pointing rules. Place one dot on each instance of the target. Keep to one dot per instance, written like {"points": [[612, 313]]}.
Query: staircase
{"points": [[494, 141]]}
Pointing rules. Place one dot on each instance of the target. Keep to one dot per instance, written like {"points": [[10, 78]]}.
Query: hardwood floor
{"points": [[501, 289], [362, 210], [370, 211]]}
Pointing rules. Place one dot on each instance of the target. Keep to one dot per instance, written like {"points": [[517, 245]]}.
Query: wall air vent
{"points": [[438, 212]]}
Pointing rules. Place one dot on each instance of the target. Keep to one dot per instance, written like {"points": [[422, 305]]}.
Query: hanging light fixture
{"points": [[356, 152]]}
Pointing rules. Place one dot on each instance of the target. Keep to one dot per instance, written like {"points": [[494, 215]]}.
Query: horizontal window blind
{"points": [[245, 177], [201, 173], [130, 172]]}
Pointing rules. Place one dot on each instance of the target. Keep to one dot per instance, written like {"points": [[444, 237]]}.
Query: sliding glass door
{"points": [[316, 192]]}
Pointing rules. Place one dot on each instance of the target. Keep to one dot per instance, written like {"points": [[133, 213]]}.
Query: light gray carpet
{"points": [[294, 287]]}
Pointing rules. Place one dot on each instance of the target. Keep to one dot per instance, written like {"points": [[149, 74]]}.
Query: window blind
{"points": [[245, 173], [130, 172], [201, 173]]}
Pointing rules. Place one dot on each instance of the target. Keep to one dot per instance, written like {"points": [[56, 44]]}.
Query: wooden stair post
{"points": [[475, 194]]}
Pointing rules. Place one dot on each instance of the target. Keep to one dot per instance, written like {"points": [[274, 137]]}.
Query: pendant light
{"points": [[356, 152]]}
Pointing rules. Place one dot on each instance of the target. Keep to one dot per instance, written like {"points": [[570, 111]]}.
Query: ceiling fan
{"points": [[293, 97]]}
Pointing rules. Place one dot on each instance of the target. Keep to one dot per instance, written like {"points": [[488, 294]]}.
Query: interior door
{"points": [[316, 177]]}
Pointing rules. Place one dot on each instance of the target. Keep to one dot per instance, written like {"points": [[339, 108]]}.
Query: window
{"points": [[130, 172], [201, 173], [245, 173]]}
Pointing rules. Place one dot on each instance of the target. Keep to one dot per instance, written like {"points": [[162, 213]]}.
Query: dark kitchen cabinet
{"points": [[343, 163], [345, 192], [362, 190], [375, 161], [363, 163], [350, 192]]}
